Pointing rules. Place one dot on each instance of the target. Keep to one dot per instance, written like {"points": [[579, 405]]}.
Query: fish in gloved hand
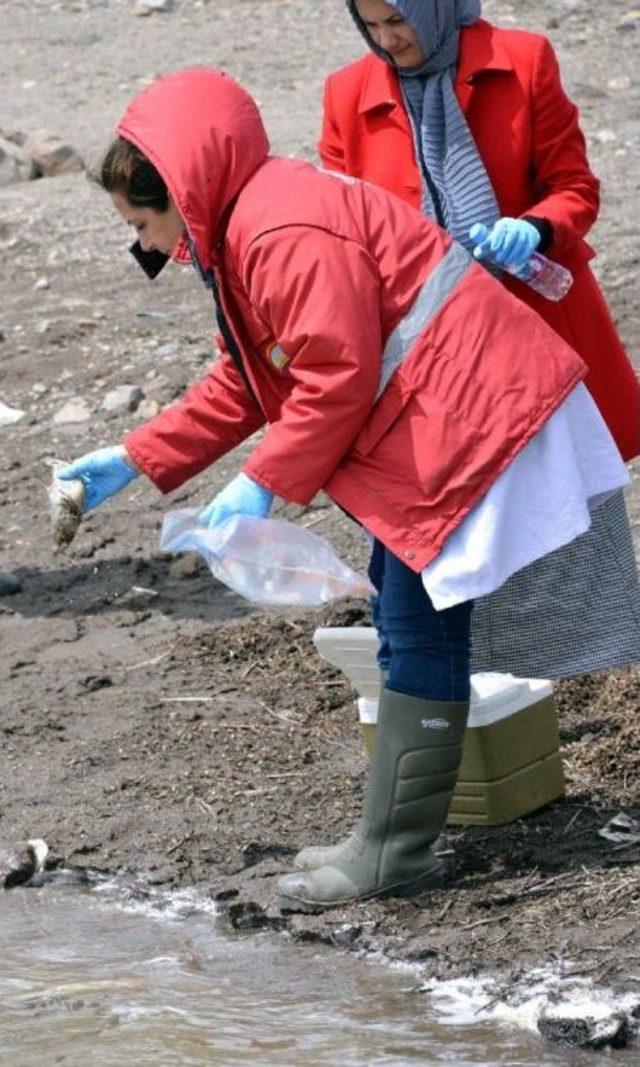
{"points": [[84, 485], [66, 500]]}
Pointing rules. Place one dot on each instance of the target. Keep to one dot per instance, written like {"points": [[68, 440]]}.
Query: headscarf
{"points": [[456, 189]]}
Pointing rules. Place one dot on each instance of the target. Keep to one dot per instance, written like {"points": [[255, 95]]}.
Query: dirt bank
{"points": [[103, 756]]}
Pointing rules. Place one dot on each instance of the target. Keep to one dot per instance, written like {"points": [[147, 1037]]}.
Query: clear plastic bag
{"points": [[268, 561]]}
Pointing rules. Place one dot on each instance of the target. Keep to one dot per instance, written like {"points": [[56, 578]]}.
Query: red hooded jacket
{"points": [[329, 283], [527, 132]]}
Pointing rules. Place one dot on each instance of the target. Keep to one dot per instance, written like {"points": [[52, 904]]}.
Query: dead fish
{"points": [[65, 501]]}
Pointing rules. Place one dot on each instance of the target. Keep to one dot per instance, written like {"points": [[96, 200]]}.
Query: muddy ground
{"points": [[103, 754]]}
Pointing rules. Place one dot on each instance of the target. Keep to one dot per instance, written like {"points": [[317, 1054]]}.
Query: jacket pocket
{"points": [[417, 449]]}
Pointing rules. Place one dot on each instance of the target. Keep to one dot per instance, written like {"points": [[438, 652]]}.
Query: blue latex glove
{"points": [[242, 496], [103, 472], [511, 242]]}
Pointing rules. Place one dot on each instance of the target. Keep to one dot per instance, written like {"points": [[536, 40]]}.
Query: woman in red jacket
{"points": [[387, 368], [471, 123]]}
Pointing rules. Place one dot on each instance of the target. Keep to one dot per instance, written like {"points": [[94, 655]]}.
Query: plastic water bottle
{"points": [[547, 278]]}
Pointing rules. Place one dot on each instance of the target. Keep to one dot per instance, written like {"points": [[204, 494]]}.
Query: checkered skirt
{"points": [[574, 611]]}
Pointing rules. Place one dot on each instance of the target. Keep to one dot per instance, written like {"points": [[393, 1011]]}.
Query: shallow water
{"points": [[101, 977]]}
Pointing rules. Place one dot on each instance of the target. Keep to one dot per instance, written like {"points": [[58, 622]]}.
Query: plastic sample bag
{"points": [[268, 561]]}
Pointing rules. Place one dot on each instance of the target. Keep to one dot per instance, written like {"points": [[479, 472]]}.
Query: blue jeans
{"points": [[426, 652]]}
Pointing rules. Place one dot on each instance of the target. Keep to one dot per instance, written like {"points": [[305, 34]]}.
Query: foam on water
{"points": [[156, 903], [548, 990], [189, 981]]}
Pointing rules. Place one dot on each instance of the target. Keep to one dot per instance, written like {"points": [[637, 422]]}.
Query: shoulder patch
{"points": [[275, 354]]}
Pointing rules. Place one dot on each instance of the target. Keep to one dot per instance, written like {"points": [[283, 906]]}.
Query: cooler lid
{"points": [[496, 696]]}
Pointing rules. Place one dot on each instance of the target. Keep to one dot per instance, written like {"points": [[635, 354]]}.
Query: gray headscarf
{"points": [[457, 190]]}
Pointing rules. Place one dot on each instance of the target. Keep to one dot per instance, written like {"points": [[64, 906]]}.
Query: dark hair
{"points": [[124, 169]]}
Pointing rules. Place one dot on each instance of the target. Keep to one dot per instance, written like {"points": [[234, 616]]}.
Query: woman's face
{"points": [[158, 231], [390, 32]]}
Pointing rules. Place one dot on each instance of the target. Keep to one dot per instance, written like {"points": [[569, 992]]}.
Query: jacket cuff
{"points": [[544, 228], [163, 479]]}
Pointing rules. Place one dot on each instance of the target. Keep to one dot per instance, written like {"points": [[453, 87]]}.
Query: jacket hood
{"points": [[204, 135]]}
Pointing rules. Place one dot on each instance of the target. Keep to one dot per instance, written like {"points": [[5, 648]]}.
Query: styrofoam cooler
{"points": [[511, 762]]}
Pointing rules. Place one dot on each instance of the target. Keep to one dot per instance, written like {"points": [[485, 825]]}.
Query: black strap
{"points": [[229, 339], [544, 228]]}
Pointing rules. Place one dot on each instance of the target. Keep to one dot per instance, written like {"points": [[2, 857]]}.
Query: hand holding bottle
{"points": [[543, 275], [510, 243]]}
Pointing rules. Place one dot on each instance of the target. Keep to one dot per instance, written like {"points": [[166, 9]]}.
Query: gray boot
{"points": [[411, 782], [314, 856]]}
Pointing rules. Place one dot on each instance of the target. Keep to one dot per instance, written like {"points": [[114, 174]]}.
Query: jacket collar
{"points": [[481, 50]]}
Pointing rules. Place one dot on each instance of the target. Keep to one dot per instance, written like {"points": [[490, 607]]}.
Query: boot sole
{"points": [[431, 880]]}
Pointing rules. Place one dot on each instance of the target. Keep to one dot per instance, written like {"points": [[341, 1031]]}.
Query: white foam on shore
{"points": [[168, 904], [548, 991]]}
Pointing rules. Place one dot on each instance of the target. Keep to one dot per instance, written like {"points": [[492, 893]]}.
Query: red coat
{"points": [[527, 133], [317, 276]]}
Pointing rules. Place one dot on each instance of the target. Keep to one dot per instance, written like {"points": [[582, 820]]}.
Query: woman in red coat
{"points": [[471, 123], [391, 370]]}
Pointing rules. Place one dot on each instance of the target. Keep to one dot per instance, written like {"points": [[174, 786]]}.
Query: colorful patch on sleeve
{"points": [[276, 355]]}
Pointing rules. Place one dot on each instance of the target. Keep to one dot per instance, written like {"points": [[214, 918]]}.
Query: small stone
{"points": [[148, 7], [13, 134], [345, 935], [15, 165], [148, 409], [630, 20], [76, 409], [612, 1031], [618, 84], [9, 584], [247, 916], [221, 896], [8, 415], [19, 861], [605, 136], [50, 155], [166, 351], [93, 682], [124, 398], [41, 284], [186, 566]]}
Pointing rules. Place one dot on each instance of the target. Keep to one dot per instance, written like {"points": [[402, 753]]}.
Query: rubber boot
{"points": [[314, 856], [411, 782]]}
